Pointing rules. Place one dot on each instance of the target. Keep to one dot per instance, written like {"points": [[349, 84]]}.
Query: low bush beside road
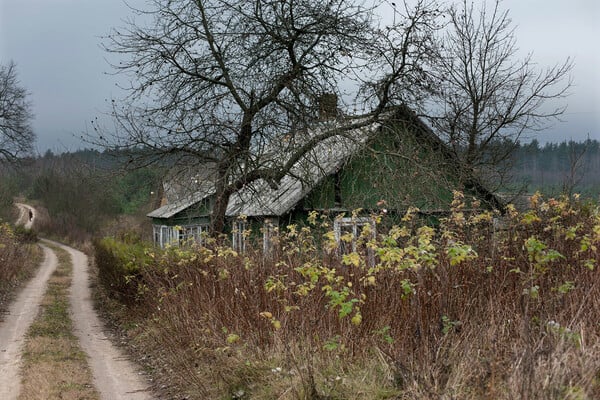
{"points": [[119, 263], [19, 257], [472, 308]]}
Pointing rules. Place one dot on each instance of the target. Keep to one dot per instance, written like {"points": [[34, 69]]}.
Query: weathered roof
{"points": [[183, 183], [169, 210], [261, 199]]}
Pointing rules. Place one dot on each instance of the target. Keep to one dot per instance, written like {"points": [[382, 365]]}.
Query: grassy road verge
{"points": [[19, 259]]}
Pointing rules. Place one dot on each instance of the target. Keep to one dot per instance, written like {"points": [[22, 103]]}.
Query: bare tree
{"points": [[485, 93], [576, 158], [236, 84], [16, 135]]}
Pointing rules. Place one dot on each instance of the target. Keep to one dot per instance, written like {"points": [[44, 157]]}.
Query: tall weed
{"points": [[481, 306]]}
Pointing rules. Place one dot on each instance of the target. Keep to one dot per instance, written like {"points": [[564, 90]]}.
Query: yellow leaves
{"points": [[275, 284], [484, 217], [571, 232], [511, 211], [347, 237], [292, 230], [356, 319], [425, 235], [458, 218], [274, 322], [352, 259], [458, 252], [249, 264], [586, 244], [304, 289], [226, 252], [232, 338], [398, 232], [312, 218], [530, 218], [535, 199], [224, 274], [410, 214], [330, 242], [420, 250]]}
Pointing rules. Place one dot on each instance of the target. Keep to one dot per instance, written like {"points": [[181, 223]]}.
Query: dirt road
{"points": [[114, 376], [26, 215], [21, 314]]}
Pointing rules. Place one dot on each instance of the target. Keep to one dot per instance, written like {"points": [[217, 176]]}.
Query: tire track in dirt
{"points": [[115, 377], [21, 314]]}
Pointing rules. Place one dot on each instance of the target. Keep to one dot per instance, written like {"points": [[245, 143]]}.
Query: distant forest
{"points": [[555, 168], [73, 184]]}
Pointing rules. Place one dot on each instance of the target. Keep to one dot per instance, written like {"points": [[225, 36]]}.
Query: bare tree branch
{"points": [[16, 134], [226, 81], [487, 94]]}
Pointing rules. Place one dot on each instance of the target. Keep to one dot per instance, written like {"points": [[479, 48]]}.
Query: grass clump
{"points": [[477, 307]]}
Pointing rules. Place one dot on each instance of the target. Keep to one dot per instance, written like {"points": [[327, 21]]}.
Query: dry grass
{"points": [[54, 366], [465, 311], [18, 262]]}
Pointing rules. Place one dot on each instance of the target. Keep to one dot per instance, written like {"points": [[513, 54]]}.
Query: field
{"points": [[476, 306]]}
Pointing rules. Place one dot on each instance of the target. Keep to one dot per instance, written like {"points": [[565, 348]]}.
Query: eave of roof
{"points": [[260, 199], [171, 209]]}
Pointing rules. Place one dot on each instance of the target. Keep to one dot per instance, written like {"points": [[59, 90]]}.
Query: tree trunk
{"points": [[222, 195]]}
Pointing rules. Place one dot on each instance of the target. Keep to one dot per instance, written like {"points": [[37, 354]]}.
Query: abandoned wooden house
{"points": [[393, 164]]}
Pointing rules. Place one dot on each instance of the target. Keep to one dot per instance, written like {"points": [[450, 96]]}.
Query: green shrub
{"points": [[119, 266]]}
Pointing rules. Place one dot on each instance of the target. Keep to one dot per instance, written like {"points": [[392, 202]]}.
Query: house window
{"points": [[163, 235], [192, 234], [178, 235], [347, 231], [238, 236]]}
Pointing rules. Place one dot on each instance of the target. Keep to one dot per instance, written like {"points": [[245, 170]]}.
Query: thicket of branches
{"points": [[16, 134], [249, 87]]}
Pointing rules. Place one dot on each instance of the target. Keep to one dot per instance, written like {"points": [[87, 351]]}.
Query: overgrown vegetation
{"points": [[477, 307], [77, 194], [19, 257]]}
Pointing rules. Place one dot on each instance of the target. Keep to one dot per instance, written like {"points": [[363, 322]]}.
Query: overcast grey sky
{"points": [[56, 45]]}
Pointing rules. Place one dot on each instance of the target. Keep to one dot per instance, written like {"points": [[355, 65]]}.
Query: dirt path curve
{"points": [[114, 376], [21, 314], [26, 215]]}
